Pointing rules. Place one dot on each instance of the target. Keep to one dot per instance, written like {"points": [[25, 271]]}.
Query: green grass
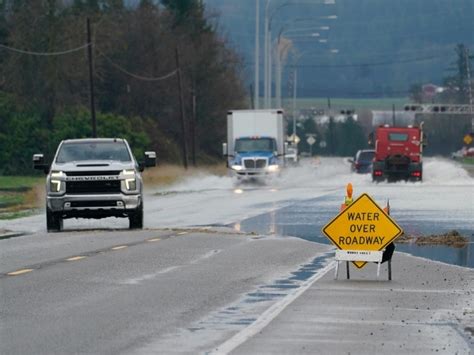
{"points": [[10, 199], [19, 195], [12, 183], [468, 160], [17, 214]]}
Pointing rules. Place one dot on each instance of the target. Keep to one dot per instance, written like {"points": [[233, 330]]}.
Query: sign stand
{"points": [[363, 232], [361, 255]]}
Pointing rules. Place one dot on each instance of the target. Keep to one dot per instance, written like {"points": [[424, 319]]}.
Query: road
{"points": [[191, 282]]}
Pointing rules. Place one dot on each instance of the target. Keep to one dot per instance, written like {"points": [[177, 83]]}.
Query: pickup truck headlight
{"points": [[56, 184], [237, 167], [273, 168], [130, 179]]}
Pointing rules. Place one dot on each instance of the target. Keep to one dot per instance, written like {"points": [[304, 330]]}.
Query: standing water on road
{"points": [[439, 204], [302, 200]]}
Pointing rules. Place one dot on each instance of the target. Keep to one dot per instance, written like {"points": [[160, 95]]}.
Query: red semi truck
{"points": [[398, 153]]}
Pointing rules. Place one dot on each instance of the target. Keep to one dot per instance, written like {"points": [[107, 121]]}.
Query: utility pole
{"points": [[295, 74], [91, 79], [266, 56], [393, 115], [269, 68], [193, 127], [257, 50], [252, 102], [181, 106], [468, 71]]}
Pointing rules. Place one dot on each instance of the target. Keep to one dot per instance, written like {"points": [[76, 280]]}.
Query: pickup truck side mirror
{"points": [[150, 161], [39, 164]]}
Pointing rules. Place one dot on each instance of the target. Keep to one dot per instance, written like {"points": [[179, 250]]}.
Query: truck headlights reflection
{"points": [[273, 168]]}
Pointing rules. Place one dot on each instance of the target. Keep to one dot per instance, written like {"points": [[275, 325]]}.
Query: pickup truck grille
{"points": [[255, 163], [92, 187], [92, 173]]}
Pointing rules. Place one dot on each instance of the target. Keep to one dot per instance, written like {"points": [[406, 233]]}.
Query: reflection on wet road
{"points": [[305, 220]]}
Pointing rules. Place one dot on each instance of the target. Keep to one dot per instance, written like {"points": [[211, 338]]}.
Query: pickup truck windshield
{"points": [[93, 151], [255, 144]]}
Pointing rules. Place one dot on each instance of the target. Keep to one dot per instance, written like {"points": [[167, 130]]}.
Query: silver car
{"points": [[94, 178]]}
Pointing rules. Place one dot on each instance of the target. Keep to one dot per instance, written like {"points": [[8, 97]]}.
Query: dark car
{"points": [[362, 163]]}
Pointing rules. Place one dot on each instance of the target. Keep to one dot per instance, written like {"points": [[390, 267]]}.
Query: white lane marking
{"points": [[206, 256], [270, 314]]}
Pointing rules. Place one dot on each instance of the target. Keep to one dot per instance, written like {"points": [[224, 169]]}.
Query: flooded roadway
{"points": [[306, 219], [442, 203], [166, 290], [304, 199]]}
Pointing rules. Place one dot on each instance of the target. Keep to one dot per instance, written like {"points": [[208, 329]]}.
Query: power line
{"points": [[139, 77], [434, 52], [58, 53], [44, 54], [414, 60]]}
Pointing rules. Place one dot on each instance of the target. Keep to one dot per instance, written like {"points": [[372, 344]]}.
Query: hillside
{"points": [[383, 46]]}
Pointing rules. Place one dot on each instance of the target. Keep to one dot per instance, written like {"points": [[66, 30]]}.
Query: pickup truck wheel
{"points": [[54, 222], [136, 218]]}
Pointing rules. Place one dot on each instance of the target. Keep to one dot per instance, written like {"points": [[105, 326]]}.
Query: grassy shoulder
{"points": [[468, 164], [20, 195], [19, 183], [468, 160]]}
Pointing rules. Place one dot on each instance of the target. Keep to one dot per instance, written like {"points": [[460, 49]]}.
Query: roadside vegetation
{"points": [[138, 50], [452, 239], [19, 195]]}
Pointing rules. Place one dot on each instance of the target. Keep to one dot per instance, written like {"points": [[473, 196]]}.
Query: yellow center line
{"points": [[74, 258], [119, 247], [153, 240], [19, 272]]}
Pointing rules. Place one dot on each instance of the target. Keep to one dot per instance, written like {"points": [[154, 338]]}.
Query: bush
{"points": [[24, 133]]}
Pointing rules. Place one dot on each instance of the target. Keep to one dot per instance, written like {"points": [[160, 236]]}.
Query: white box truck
{"points": [[255, 145]]}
